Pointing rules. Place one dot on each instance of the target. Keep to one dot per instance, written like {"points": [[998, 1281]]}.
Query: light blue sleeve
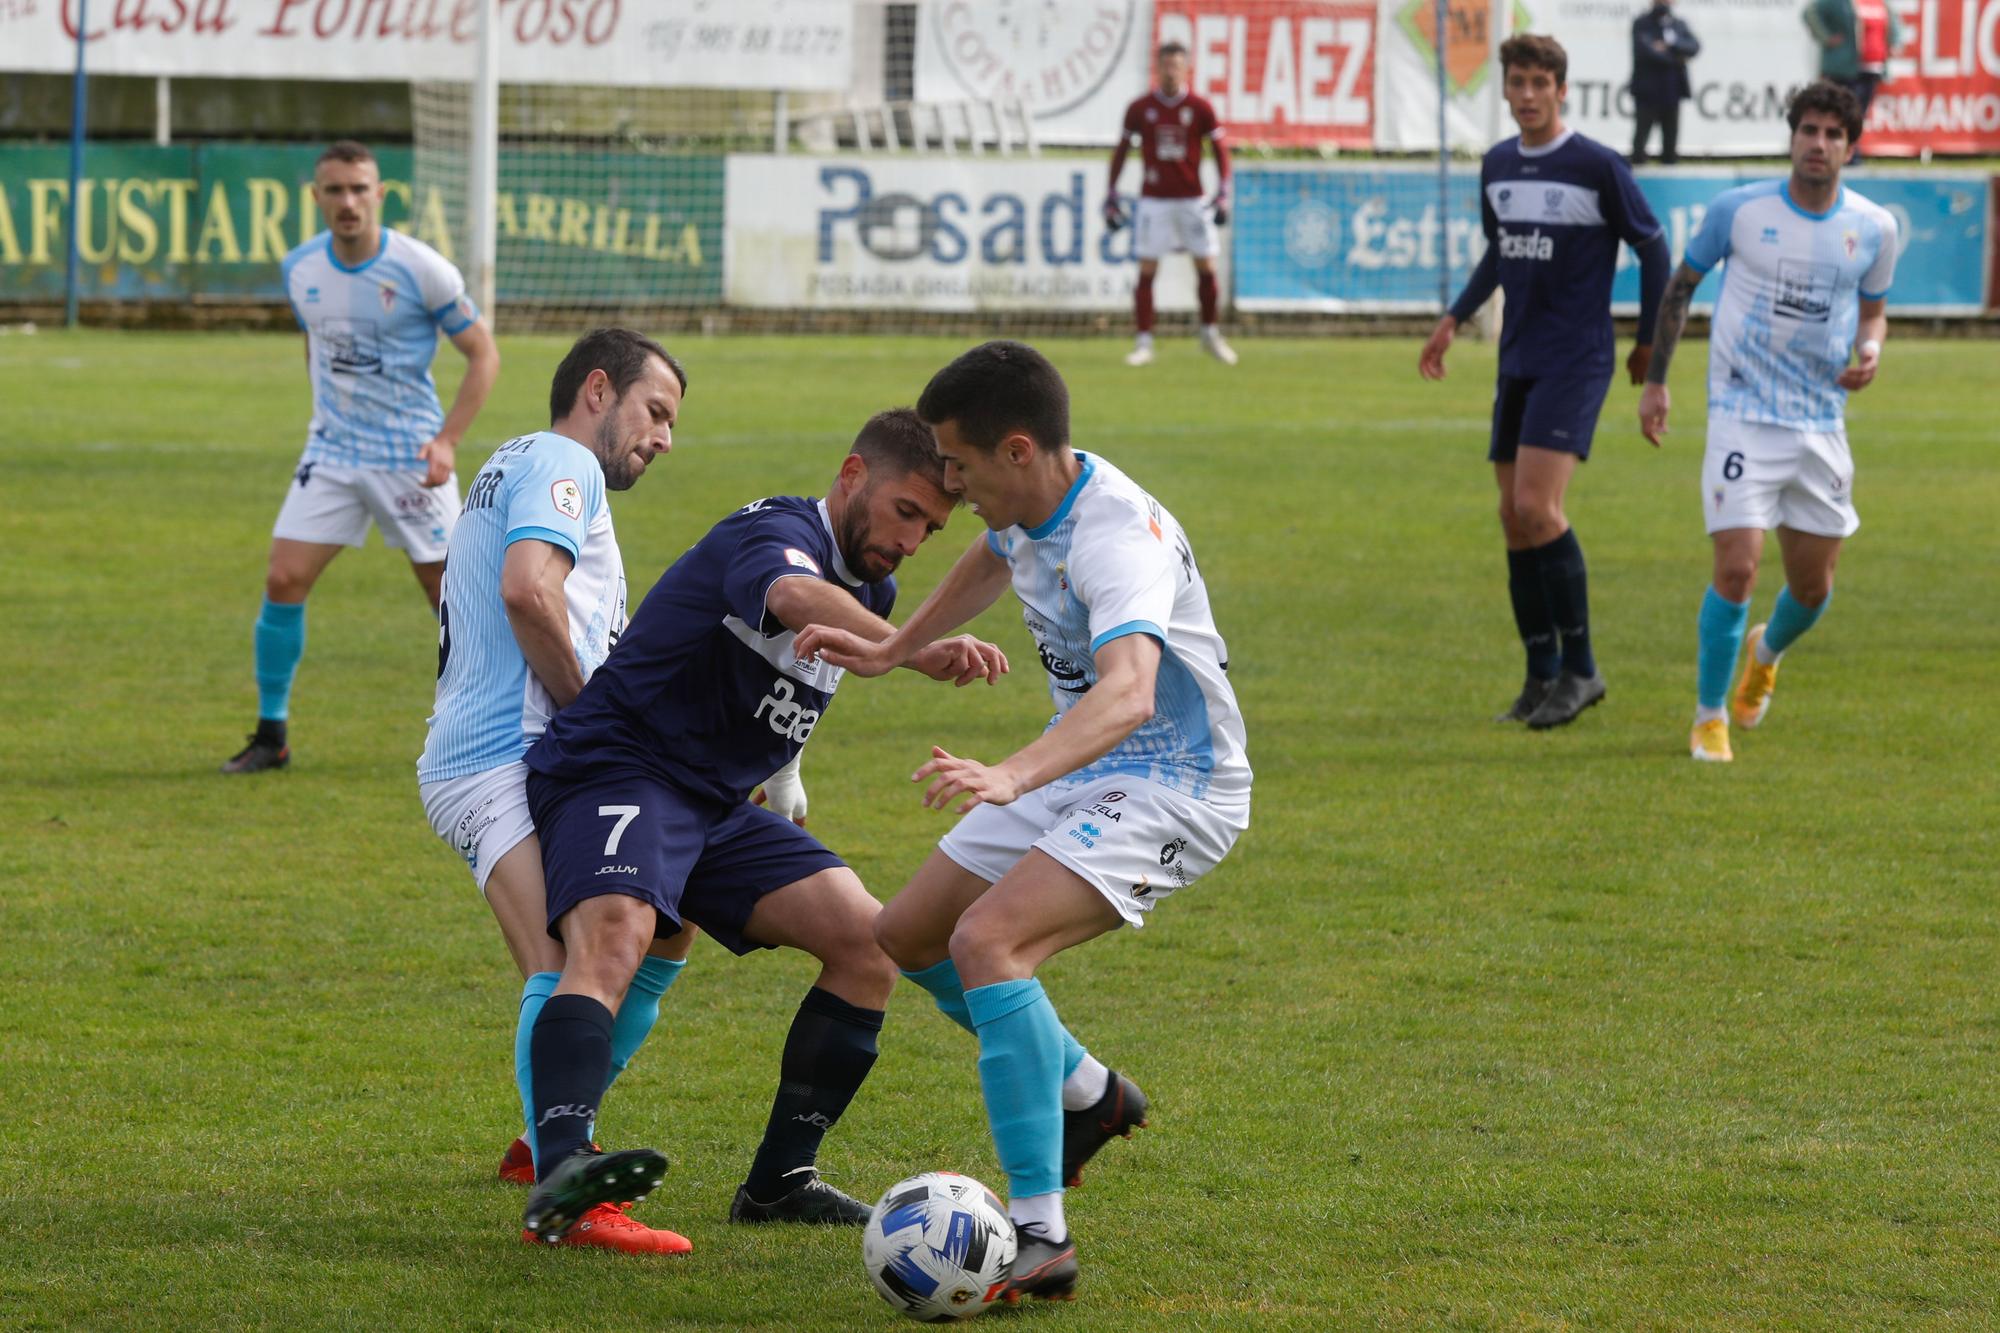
{"points": [[1881, 274], [551, 496], [1710, 245]]}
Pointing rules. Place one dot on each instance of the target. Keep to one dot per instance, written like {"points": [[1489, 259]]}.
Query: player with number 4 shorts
{"points": [[1806, 267], [1137, 789]]}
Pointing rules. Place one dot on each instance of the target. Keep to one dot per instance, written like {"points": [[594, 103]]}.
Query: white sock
{"points": [[1043, 1212], [1084, 1088], [1211, 331], [1702, 715], [1765, 657], [1144, 342]]}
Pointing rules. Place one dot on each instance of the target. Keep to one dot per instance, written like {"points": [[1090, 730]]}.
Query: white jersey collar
{"points": [[839, 565], [1548, 147]]}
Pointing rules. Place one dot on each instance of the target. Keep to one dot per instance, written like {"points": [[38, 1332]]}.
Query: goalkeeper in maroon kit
{"points": [[1171, 124]]}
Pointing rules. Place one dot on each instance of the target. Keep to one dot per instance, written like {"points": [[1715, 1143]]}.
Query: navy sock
{"points": [[1531, 614], [1564, 581], [828, 1052], [571, 1051]]}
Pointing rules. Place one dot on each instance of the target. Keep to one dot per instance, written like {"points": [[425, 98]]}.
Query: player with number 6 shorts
{"points": [[1138, 788], [1807, 265]]}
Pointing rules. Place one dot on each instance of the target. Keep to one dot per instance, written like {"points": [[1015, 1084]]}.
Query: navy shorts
{"points": [[693, 860], [1556, 412]]}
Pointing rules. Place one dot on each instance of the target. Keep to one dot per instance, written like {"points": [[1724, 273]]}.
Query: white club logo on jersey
{"points": [[567, 498], [794, 556]]}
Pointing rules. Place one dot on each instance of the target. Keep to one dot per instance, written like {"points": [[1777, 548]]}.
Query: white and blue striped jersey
{"points": [[1112, 561], [371, 334], [1791, 299], [490, 706]]}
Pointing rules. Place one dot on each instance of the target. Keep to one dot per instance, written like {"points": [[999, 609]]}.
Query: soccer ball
{"points": [[938, 1247]]}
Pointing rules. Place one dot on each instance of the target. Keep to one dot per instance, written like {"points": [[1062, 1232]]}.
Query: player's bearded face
{"points": [[1819, 147], [887, 520]]}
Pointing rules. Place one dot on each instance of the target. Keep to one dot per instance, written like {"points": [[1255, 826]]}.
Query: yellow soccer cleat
{"points": [[1709, 741], [1752, 695]]}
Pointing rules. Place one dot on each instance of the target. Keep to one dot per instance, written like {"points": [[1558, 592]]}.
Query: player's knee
{"points": [[282, 584], [1736, 579], [1811, 593], [980, 947], [900, 939]]}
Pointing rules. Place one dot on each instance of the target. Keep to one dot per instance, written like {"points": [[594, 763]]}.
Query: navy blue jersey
{"points": [[1554, 216], [703, 690]]}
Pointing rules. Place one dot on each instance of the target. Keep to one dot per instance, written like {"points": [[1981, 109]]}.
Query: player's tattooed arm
{"points": [[1672, 322], [1654, 401]]}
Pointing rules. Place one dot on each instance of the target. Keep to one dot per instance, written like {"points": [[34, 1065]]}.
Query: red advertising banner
{"points": [[1289, 72], [1943, 89]]}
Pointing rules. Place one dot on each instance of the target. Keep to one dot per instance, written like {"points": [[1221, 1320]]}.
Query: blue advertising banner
{"points": [[1369, 239]]}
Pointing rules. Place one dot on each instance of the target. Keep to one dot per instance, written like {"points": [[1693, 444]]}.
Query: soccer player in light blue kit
{"points": [[1808, 274], [380, 448], [533, 599], [1138, 787]]}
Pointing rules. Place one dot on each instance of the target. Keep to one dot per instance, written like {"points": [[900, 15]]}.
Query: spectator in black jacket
{"points": [[1662, 45]]}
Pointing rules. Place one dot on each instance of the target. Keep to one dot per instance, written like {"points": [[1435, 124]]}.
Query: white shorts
{"points": [[334, 505], [481, 816], [1132, 840], [1174, 226], [1756, 475]]}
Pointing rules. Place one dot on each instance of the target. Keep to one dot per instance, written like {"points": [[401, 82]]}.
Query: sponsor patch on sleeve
{"points": [[567, 497], [794, 556]]}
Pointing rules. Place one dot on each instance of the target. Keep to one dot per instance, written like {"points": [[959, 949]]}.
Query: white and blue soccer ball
{"points": [[939, 1247]]}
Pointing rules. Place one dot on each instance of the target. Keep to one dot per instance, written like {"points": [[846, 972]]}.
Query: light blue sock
{"points": [[941, 980], [1020, 1071], [641, 1009], [1721, 637], [281, 642], [1791, 619], [535, 992]]}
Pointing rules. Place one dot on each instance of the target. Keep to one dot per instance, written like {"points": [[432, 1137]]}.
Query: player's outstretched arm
{"points": [[973, 584], [482, 370], [1118, 704], [531, 588], [1654, 401]]}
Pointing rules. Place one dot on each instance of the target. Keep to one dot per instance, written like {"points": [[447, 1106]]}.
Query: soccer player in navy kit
{"points": [[1554, 206], [639, 791]]}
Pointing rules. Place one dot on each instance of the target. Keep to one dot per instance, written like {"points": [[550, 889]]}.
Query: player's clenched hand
{"points": [[952, 777], [1653, 404], [961, 659], [441, 455], [842, 648], [1220, 209], [1862, 373], [1641, 360], [784, 793], [1114, 212], [1430, 364]]}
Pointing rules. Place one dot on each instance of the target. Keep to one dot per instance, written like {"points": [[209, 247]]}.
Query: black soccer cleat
{"points": [[1567, 698], [1533, 690], [586, 1179], [1118, 1112], [814, 1203], [1042, 1267], [260, 755]]}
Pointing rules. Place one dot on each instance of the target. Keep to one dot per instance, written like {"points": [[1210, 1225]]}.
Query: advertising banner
{"points": [[1075, 66], [1943, 89], [1279, 72], [1372, 238], [801, 44], [940, 234], [215, 220], [1754, 52]]}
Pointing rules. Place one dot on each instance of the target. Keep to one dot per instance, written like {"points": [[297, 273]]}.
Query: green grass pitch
{"points": [[1475, 1029]]}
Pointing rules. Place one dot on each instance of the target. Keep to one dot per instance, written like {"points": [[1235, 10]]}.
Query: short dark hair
{"points": [[1532, 50], [345, 150], [1824, 95], [996, 389], [898, 443], [1170, 49], [620, 353]]}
